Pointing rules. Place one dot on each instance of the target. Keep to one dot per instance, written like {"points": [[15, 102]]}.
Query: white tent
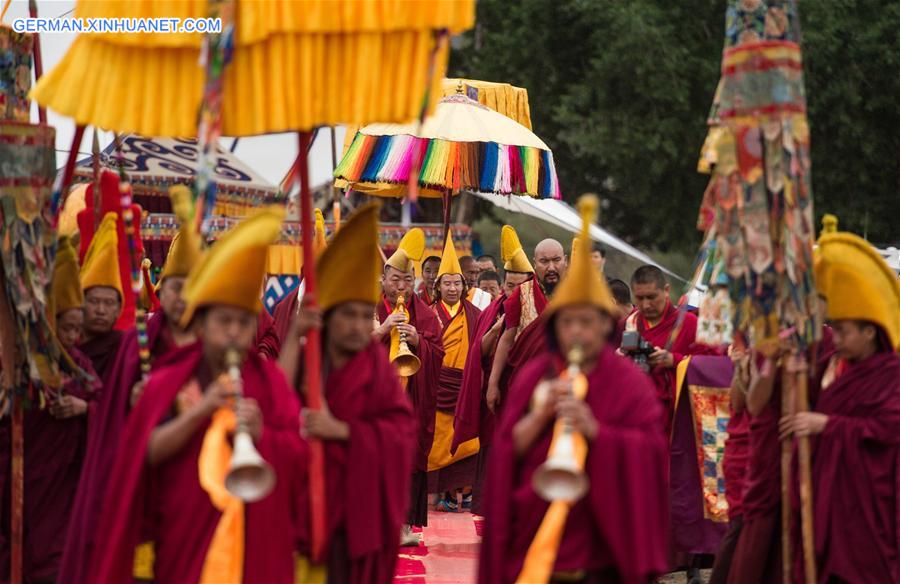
{"points": [[563, 215]]}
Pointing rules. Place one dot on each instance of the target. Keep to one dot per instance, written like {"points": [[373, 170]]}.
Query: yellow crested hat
{"points": [[582, 284], [449, 259], [185, 250], [75, 204], [514, 257], [231, 272], [350, 267], [319, 244], [101, 261], [856, 281], [65, 288], [410, 250]]}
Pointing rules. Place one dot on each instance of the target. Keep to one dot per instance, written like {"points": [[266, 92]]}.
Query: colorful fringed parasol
{"points": [[758, 208], [463, 146]]}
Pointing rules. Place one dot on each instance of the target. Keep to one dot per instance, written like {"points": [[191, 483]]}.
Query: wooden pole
{"points": [[806, 498], [69, 169], [787, 409], [38, 61], [335, 196], [8, 358], [312, 353]]}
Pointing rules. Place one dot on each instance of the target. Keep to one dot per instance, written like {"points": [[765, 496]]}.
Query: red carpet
{"points": [[448, 553]]}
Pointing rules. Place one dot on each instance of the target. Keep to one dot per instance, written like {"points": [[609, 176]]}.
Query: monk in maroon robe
{"points": [[55, 439], [670, 331], [425, 289], [856, 457], [423, 333], [757, 556], [619, 530], [734, 466], [523, 339], [166, 493], [122, 388]]}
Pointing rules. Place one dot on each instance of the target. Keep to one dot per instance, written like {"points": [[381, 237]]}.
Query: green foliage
{"points": [[621, 90]]}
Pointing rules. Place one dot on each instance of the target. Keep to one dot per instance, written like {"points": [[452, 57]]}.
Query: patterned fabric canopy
{"points": [[155, 164]]}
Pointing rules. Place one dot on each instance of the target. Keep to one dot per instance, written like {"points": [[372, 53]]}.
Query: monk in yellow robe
{"points": [[448, 473]]}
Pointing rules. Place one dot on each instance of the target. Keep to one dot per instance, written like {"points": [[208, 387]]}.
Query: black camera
{"points": [[637, 348]]}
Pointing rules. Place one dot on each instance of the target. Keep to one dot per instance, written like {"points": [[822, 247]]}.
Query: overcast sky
{"points": [[269, 155]]}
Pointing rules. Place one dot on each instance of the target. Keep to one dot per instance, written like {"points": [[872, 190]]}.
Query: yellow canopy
{"points": [[292, 63]]}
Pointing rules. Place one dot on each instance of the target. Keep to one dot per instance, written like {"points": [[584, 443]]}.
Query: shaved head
{"points": [[549, 246], [549, 263]]}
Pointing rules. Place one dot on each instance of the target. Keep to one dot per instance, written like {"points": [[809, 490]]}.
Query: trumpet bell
{"points": [[250, 478], [560, 479], [407, 364]]}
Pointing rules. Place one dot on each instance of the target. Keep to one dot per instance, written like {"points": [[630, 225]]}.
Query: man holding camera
{"points": [[657, 322]]}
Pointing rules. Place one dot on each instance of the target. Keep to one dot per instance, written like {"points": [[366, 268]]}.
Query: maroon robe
{"points": [[268, 343], [422, 391], [366, 475], [472, 418], [681, 346], [102, 350], [283, 315], [423, 294], [856, 474], [531, 341], [54, 453], [104, 435], [757, 556], [183, 518], [622, 523]]}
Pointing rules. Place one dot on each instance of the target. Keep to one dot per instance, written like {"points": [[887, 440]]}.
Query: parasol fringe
{"points": [[478, 166]]}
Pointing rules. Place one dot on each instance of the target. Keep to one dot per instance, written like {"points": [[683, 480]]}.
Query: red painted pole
{"points": [[312, 352]]}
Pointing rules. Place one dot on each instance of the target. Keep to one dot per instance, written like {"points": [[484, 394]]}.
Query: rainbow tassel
{"points": [[451, 166]]}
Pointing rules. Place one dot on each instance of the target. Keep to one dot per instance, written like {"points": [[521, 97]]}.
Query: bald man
{"points": [[522, 339]]}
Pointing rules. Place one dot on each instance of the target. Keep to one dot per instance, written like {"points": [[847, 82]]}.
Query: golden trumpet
{"points": [[250, 478], [406, 361], [561, 477]]}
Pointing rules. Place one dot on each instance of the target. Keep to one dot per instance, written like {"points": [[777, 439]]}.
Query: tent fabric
{"points": [[562, 215]]}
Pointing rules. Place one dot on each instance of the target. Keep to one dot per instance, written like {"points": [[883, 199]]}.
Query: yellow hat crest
{"points": [[320, 244], [582, 284], [857, 283], [449, 259], [101, 261], [231, 272], [410, 250], [75, 204], [185, 250], [66, 292], [351, 257], [514, 257]]}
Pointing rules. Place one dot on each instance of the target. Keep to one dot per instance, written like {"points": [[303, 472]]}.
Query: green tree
{"points": [[621, 90]]}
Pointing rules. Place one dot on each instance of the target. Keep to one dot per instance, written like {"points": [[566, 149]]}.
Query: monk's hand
{"points": [[802, 424], [412, 335], [492, 397], [136, 392], [68, 406], [308, 318], [579, 414], [323, 425], [661, 358], [216, 396], [248, 411]]}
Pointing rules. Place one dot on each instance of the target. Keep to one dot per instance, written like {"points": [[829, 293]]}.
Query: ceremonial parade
{"points": [[449, 291]]}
